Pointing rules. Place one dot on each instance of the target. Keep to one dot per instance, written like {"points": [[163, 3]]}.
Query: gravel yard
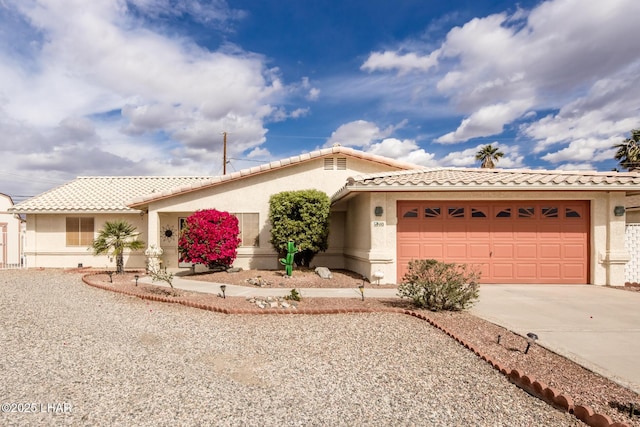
{"points": [[118, 360]]}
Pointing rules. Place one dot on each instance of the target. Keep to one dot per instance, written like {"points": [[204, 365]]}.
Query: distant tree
{"points": [[628, 152], [488, 156], [114, 238], [209, 237], [303, 217]]}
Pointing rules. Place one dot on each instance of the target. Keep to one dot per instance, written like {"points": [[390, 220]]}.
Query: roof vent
{"points": [[328, 163]]}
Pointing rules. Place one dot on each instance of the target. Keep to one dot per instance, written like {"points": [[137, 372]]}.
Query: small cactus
{"points": [[288, 260]]}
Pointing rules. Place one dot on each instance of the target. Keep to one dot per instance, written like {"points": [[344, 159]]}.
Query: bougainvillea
{"points": [[209, 237]]}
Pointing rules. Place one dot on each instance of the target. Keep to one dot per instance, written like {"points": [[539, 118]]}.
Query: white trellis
{"points": [[632, 243]]}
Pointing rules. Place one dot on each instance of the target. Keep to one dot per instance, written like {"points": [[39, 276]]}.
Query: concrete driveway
{"points": [[595, 326]]}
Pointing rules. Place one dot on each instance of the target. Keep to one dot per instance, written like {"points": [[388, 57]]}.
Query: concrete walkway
{"points": [[370, 290], [597, 327]]}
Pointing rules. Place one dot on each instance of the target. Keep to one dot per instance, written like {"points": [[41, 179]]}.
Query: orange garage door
{"points": [[509, 242]]}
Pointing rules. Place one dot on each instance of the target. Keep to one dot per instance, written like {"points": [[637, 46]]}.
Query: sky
{"points": [[147, 87]]}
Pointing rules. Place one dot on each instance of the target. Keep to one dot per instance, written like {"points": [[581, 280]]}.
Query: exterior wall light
{"points": [[618, 211], [378, 211]]}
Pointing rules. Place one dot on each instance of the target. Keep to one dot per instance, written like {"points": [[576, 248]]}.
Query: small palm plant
{"points": [[489, 156], [114, 238]]}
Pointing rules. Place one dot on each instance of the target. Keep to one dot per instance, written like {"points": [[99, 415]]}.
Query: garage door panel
{"points": [[502, 270], [573, 271], [477, 250], [429, 251], [550, 270], [455, 251], [526, 251], [503, 251], [526, 271], [571, 251], [483, 268], [511, 242], [409, 250], [549, 250]]}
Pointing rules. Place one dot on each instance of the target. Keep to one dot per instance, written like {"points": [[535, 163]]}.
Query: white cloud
{"points": [[488, 120], [359, 133], [406, 151], [90, 75], [404, 63], [569, 55]]}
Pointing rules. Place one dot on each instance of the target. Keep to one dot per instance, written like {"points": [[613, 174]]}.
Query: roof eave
{"points": [[355, 187], [76, 211]]}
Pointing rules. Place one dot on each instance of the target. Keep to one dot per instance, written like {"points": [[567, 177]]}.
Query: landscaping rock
{"points": [[324, 272], [258, 281]]}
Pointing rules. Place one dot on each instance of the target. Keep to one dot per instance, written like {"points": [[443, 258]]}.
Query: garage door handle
{"points": [[490, 254]]}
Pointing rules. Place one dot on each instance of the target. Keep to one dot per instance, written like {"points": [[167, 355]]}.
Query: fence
{"points": [[10, 251], [632, 243]]}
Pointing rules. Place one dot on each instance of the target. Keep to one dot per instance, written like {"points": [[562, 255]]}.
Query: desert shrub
{"points": [[294, 295], [440, 286]]}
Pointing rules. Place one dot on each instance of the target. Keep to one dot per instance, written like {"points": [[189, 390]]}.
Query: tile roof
{"points": [[470, 179], [106, 194], [302, 158], [124, 194]]}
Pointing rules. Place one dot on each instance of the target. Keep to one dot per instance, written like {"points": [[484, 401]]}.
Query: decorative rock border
{"points": [[527, 383]]}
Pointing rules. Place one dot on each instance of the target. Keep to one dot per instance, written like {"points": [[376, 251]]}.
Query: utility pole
{"points": [[224, 153]]}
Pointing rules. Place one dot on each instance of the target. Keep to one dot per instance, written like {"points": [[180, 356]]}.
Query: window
{"points": [[456, 212], [249, 229], [79, 231], [431, 212], [410, 213], [527, 212], [549, 212], [571, 213], [504, 213], [478, 213]]}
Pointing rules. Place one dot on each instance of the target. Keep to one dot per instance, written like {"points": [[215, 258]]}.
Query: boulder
{"points": [[324, 272]]}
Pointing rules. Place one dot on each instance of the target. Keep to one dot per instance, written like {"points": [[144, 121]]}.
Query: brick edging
{"points": [[527, 383]]}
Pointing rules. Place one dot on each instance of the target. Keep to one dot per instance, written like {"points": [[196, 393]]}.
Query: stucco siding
{"points": [[251, 195], [46, 242]]}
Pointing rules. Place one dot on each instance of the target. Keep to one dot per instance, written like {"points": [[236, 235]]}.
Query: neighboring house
{"points": [[517, 226], [11, 235], [632, 239]]}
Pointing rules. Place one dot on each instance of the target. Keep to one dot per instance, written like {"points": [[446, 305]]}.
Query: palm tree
{"points": [[628, 154], [488, 155], [117, 236]]}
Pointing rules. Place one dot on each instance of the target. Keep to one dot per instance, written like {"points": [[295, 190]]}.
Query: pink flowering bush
{"points": [[209, 237]]}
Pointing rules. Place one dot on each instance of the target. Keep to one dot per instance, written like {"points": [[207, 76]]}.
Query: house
{"points": [[11, 235], [517, 226]]}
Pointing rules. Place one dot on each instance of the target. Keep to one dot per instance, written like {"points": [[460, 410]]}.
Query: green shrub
{"points": [[440, 286], [302, 217], [293, 296]]}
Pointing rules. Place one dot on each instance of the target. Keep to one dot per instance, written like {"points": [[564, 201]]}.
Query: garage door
{"points": [[509, 242]]}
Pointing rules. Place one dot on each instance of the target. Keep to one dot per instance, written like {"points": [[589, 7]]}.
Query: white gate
{"points": [[10, 250], [632, 243]]}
